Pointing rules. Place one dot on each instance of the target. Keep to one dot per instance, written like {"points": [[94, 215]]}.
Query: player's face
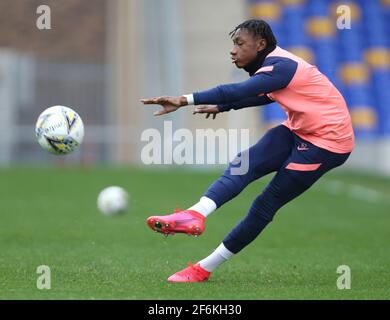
{"points": [[245, 48]]}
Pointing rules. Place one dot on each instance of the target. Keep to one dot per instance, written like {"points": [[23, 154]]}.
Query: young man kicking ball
{"points": [[316, 137]]}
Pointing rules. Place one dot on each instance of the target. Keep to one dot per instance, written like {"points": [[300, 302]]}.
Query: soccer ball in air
{"points": [[112, 200], [59, 130]]}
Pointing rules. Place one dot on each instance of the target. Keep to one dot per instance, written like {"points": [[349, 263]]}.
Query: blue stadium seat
{"points": [[295, 29], [317, 8], [381, 82]]}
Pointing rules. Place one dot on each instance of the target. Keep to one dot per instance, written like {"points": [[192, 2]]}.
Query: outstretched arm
{"points": [[268, 79], [275, 76], [249, 102]]}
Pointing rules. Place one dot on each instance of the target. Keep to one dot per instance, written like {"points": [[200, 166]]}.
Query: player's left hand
{"points": [[208, 109]]}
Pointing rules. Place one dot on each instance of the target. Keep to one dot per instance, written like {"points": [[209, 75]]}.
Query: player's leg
{"points": [[266, 156], [298, 173]]}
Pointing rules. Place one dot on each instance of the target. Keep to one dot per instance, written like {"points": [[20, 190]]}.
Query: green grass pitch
{"points": [[49, 217]]}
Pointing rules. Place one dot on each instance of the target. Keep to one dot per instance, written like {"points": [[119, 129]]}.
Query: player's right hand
{"points": [[169, 104], [208, 109]]}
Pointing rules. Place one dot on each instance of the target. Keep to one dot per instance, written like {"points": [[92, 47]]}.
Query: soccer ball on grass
{"points": [[113, 200]]}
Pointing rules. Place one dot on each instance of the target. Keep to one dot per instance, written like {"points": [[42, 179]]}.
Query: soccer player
{"points": [[316, 137]]}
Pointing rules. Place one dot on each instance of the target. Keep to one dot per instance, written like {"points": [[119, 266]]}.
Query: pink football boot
{"points": [[187, 221]]}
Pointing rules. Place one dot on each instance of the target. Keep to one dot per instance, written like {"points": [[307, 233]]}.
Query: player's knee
{"points": [[267, 204], [261, 211]]}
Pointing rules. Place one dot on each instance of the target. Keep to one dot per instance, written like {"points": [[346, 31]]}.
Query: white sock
{"points": [[220, 255], [205, 206]]}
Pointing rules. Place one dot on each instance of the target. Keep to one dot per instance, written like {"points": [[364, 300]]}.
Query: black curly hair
{"points": [[258, 28]]}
